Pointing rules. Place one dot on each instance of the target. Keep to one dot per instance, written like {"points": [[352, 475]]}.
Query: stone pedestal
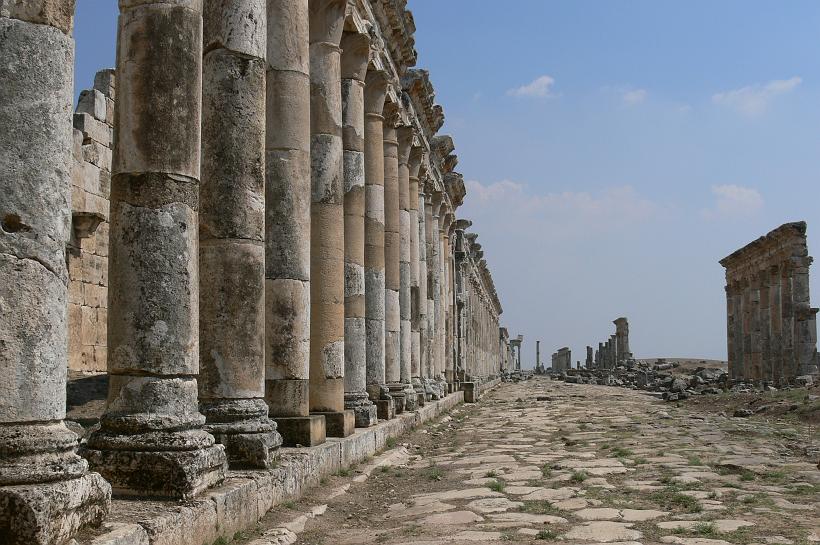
{"points": [[339, 424], [364, 410], [470, 392], [386, 410], [302, 431]]}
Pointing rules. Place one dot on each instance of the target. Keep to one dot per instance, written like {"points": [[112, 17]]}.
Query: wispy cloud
{"points": [[632, 97], [733, 201], [540, 87], [753, 100], [566, 214]]}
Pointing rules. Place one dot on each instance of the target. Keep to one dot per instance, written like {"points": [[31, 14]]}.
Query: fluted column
{"points": [[414, 166], [327, 322], [232, 231], [375, 92], [405, 136], [287, 225], [392, 257], [151, 440], [355, 55], [46, 492]]}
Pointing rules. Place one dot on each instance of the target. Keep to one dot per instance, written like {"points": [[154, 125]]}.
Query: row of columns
{"points": [[771, 330], [277, 265]]}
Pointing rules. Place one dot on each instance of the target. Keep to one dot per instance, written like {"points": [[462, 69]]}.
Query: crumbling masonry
{"points": [[251, 228], [771, 326]]}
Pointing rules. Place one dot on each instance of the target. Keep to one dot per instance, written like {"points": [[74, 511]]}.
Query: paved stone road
{"points": [[548, 461]]}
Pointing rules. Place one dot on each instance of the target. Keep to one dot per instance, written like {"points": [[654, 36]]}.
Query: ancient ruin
{"points": [[562, 360], [614, 351], [250, 224], [771, 326]]}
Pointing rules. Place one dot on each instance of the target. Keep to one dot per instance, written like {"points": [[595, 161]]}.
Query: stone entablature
{"points": [[771, 326]]}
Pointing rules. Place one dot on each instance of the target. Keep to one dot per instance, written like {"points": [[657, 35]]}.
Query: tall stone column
{"points": [[355, 55], [287, 225], [737, 303], [418, 295], [424, 336], [730, 329], [327, 286], [151, 441], [46, 491], [764, 321], [776, 320], [375, 92], [231, 233], [392, 258], [434, 293], [446, 306], [405, 136], [787, 315], [754, 331]]}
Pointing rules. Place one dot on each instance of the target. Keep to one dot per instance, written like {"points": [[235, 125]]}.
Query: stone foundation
{"points": [[246, 496]]}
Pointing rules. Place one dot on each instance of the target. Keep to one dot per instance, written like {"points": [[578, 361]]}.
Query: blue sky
{"points": [[614, 151]]}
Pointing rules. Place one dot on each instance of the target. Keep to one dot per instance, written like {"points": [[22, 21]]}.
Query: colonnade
{"points": [[281, 263]]}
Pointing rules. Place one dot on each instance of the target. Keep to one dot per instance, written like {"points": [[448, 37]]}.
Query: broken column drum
{"points": [[231, 234], [355, 56], [151, 441], [287, 225], [46, 491]]}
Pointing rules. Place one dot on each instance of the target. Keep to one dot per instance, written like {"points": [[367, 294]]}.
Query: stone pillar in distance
{"points": [[46, 491], [151, 441], [405, 136], [416, 312], [287, 225], [355, 55], [232, 234]]}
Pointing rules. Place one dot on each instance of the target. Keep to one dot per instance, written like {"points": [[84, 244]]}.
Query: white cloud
{"points": [[634, 96], [753, 100], [733, 201], [541, 87], [511, 206]]}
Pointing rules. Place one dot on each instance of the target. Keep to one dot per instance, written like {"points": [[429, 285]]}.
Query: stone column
{"points": [[355, 55], [46, 491], [787, 316], [231, 233], [374, 95], [416, 312], [405, 136], [776, 319], [392, 258], [151, 441], [764, 321], [447, 298], [730, 329], [805, 326], [424, 337], [589, 361], [287, 225], [327, 286], [754, 331], [434, 294]]}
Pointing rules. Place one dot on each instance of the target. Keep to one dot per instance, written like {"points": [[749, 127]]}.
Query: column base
{"points": [[242, 425], [250, 450], [172, 474], [339, 424], [470, 392], [385, 409], [398, 395], [410, 399], [363, 409], [302, 431], [52, 513]]}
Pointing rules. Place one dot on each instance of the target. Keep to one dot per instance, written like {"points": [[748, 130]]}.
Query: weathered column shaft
{"points": [[374, 96], [232, 231], [355, 55], [46, 493], [405, 142], [327, 267], [287, 210], [422, 289], [151, 440], [415, 307]]}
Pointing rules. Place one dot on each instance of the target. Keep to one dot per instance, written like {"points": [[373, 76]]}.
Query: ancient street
{"points": [[544, 460]]}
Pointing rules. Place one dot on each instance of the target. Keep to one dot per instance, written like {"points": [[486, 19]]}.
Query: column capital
{"points": [[375, 91], [355, 55]]}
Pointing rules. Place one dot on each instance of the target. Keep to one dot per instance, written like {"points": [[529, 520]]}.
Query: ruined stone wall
{"points": [[87, 250], [771, 326]]}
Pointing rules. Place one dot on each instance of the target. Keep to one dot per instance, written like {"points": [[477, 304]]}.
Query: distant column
{"points": [[405, 136], [805, 320], [776, 320], [424, 338], [414, 165]]}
